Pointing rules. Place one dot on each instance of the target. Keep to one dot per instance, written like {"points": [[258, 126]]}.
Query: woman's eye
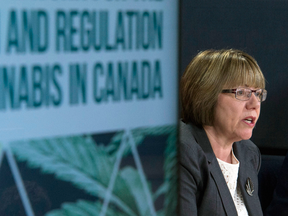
{"points": [[240, 92], [258, 94]]}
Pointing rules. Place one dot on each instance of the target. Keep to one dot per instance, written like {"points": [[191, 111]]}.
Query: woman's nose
{"points": [[253, 102]]}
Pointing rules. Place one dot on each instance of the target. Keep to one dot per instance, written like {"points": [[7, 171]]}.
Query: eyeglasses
{"points": [[244, 94]]}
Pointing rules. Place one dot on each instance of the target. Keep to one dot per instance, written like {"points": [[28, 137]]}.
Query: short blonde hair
{"points": [[208, 74]]}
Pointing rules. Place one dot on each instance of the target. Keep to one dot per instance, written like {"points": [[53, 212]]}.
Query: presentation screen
{"points": [[88, 107]]}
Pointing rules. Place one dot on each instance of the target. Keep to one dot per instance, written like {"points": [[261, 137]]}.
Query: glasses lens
{"points": [[243, 94], [259, 94], [264, 95]]}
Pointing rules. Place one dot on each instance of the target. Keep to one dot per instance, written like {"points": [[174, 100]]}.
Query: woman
{"points": [[221, 94]]}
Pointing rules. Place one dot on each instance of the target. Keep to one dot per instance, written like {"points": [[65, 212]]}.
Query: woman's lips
{"points": [[250, 120]]}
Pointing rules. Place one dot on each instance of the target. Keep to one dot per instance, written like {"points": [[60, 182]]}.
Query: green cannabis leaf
{"points": [[88, 166], [77, 160]]}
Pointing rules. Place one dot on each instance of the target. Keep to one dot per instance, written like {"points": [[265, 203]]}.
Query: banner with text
{"points": [[88, 107]]}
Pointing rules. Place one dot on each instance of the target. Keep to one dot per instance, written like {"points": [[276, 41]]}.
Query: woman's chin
{"points": [[246, 135]]}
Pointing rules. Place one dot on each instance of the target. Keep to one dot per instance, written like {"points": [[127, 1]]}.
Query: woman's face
{"points": [[235, 119]]}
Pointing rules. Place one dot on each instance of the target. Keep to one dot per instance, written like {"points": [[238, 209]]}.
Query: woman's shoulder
{"points": [[190, 149], [247, 146], [187, 140], [185, 133], [192, 158], [246, 151]]}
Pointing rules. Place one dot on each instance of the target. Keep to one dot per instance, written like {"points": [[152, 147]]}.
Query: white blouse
{"points": [[230, 173]]}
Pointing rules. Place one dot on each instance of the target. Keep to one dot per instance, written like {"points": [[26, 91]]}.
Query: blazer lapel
{"points": [[223, 189], [216, 173], [246, 171]]}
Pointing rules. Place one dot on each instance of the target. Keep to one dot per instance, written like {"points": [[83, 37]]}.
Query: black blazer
{"points": [[203, 189]]}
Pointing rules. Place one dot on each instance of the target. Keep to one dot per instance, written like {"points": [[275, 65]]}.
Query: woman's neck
{"points": [[222, 148]]}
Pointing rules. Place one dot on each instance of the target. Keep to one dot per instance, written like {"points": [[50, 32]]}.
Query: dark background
{"points": [[259, 28]]}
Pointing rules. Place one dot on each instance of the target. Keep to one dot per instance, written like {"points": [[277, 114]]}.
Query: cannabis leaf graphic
{"points": [[89, 166]]}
